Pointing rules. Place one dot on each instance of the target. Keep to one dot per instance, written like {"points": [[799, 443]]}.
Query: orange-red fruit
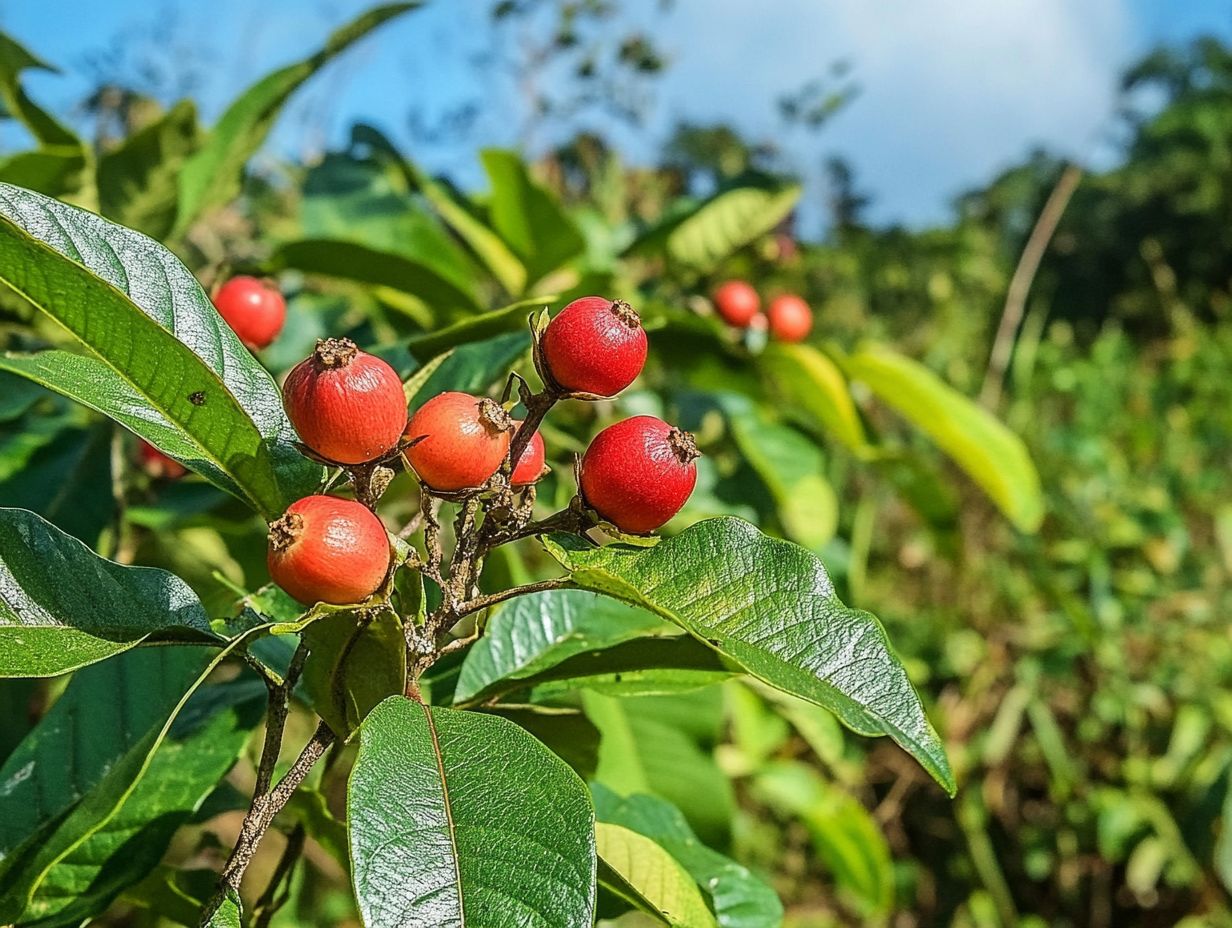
{"points": [[328, 550], [595, 345], [254, 309], [346, 405], [460, 441], [638, 473], [157, 464], [737, 302], [531, 463], [791, 320]]}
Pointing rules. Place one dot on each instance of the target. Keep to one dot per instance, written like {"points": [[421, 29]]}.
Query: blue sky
{"points": [[951, 90]]}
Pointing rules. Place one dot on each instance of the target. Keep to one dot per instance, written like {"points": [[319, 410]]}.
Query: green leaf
{"points": [[644, 751], [978, 442], [213, 175], [528, 217], [70, 781], [474, 367], [476, 328], [138, 180], [537, 632], [846, 837], [49, 626], [148, 322], [56, 171], [352, 666], [461, 818], [365, 264], [229, 914], [14, 59], [645, 666], [203, 744], [650, 878], [810, 386], [792, 468], [770, 606], [566, 732], [738, 898]]}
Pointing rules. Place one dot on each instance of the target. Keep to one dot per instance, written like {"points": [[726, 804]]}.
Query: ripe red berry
{"points": [[254, 309], [346, 405], [460, 441], [638, 473], [790, 318], [594, 345], [157, 464], [737, 302], [328, 550], [531, 463]]}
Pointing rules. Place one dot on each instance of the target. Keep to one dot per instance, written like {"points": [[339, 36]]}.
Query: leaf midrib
{"points": [[439, 757]]}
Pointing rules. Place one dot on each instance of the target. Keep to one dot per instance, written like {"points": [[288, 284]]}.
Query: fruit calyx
{"points": [[683, 445], [334, 353], [285, 530], [493, 415], [626, 314]]}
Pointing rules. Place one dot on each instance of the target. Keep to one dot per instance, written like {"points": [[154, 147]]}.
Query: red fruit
{"points": [[254, 309], [157, 464], [347, 405], [638, 473], [737, 302], [790, 318], [594, 345], [460, 441], [328, 550], [531, 463]]}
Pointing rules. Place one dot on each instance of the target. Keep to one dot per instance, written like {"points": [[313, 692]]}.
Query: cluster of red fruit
{"points": [[788, 317], [349, 410]]}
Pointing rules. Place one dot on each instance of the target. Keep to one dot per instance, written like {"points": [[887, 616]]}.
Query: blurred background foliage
{"points": [[1079, 673]]}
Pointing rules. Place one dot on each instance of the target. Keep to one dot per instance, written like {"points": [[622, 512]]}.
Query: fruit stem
{"points": [[537, 406]]}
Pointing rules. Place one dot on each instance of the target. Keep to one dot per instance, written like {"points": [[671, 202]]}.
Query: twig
{"points": [[411, 527], [1020, 283], [495, 599], [278, 892], [276, 723]]}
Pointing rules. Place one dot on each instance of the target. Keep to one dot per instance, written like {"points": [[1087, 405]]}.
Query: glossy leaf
{"points": [[979, 443], [528, 217], [352, 667], [458, 818], [645, 666], [812, 389], [213, 175], [474, 367], [537, 632], [770, 606], [486, 325], [138, 180], [49, 626], [737, 897], [142, 315], [650, 878], [70, 781]]}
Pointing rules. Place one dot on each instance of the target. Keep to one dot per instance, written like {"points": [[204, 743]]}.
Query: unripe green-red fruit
{"points": [[531, 463], [157, 464], [254, 309], [638, 473], [460, 441], [737, 302], [594, 345], [346, 405], [328, 550], [791, 319]]}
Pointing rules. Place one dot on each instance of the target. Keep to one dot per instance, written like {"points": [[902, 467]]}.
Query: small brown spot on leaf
{"points": [[198, 398]]}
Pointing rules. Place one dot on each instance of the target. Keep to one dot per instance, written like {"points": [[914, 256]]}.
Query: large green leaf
{"points": [[473, 367], [978, 442], [811, 388], [528, 217], [737, 897], [419, 276], [68, 785], [650, 878], [203, 744], [63, 607], [458, 818], [475, 328], [147, 320], [352, 666], [56, 171], [770, 606], [46, 129], [537, 632], [138, 180], [213, 175]]}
